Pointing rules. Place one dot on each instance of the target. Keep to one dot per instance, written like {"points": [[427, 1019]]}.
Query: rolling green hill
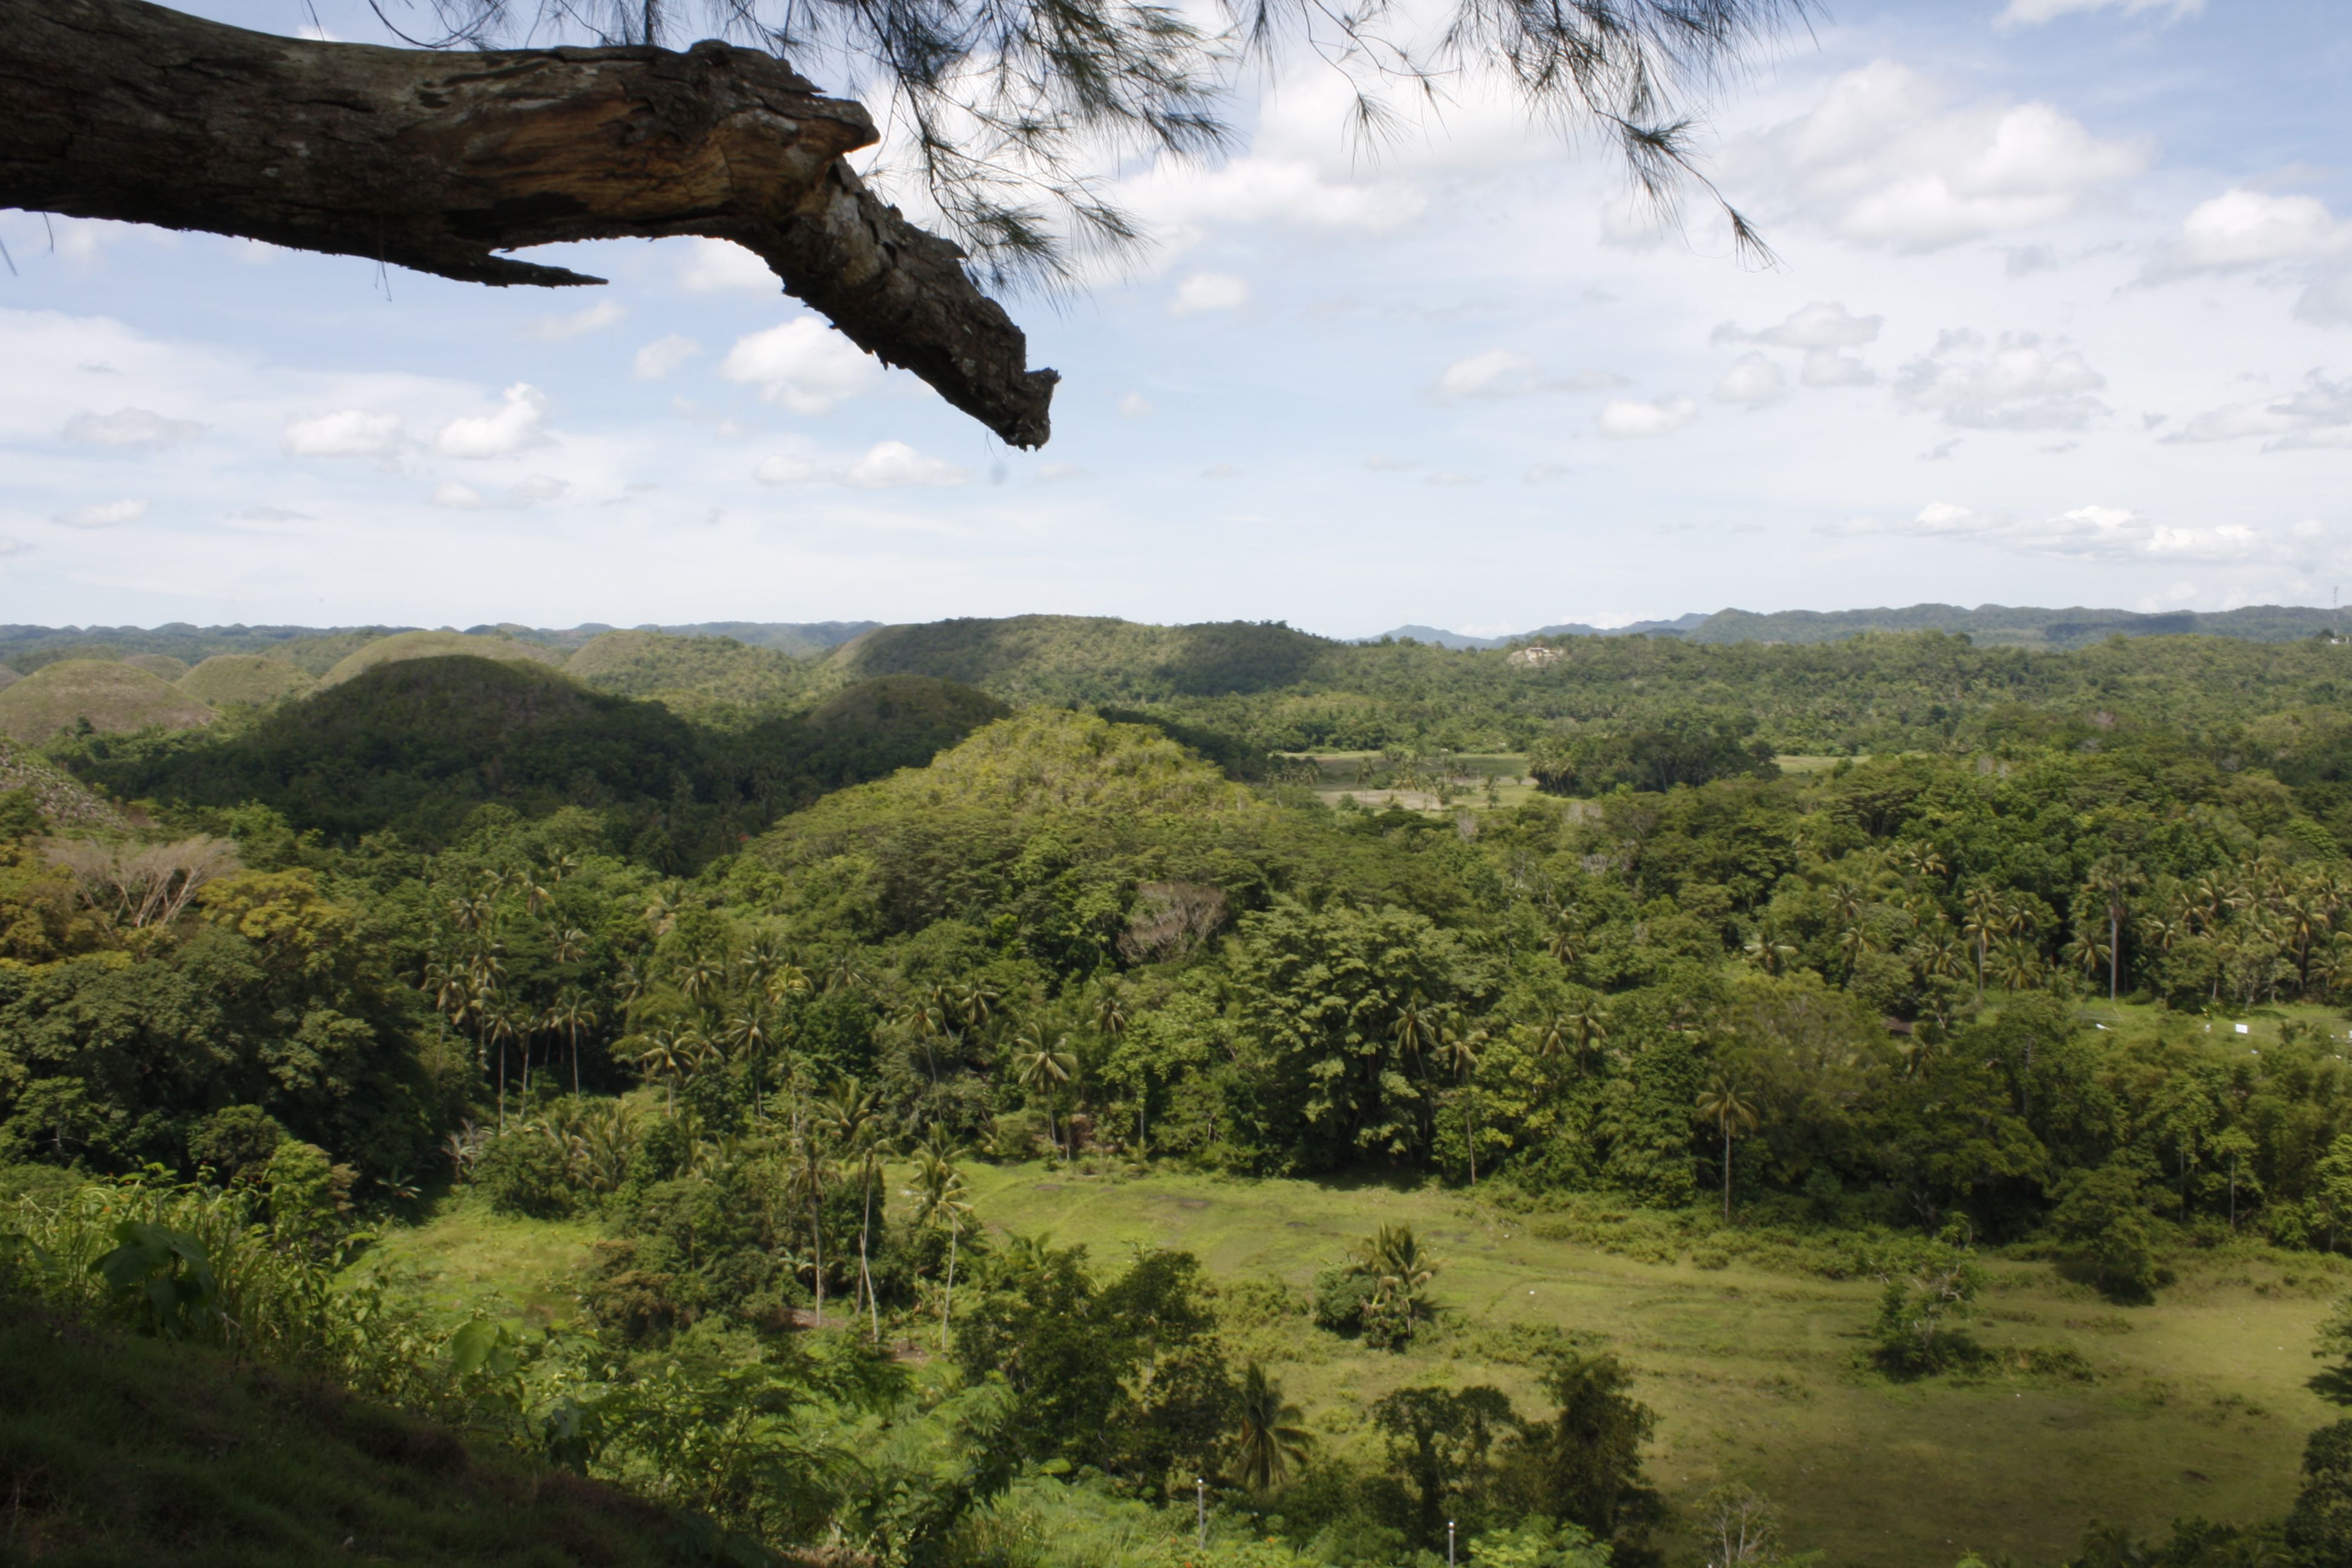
{"points": [[161, 664], [688, 673], [1090, 658], [114, 698], [416, 744], [247, 677], [403, 646]]}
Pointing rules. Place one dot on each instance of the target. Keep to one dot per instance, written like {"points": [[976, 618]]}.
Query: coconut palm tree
{"points": [[1459, 1054], [1985, 916], [749, 1037], [1401, 1272], [1042, 1068], [805, 1177], [2112, 879], [849, 1118], [941, 1200], [1268, 1441], [1722, 1103], [665, 1056], [2088, 950], [569, 1015], [1589, 1022], [2015, 963]]}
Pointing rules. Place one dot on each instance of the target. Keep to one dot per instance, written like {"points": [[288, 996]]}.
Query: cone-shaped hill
{"points": [[1087, 659], [116, 699], [417, 746], [400, 646], [247, 677], [688, 673]]}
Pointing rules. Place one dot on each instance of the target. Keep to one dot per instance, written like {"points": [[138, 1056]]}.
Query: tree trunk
{"points": [[865, 1272], [2115, 954], [119, 109], [946, 1301], [1727, 1175]]}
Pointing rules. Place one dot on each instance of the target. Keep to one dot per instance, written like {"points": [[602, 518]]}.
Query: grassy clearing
{"points": [[465, 1258], [2195, 1406]]}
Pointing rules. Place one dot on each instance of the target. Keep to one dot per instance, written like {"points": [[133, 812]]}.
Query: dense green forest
{"points": [[2038, 961]]}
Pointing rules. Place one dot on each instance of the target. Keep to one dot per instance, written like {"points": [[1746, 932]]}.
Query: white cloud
{"points": [[887, 464], [1059, 473], [1754, 381], [103, 514], [516, 497], [2099, 533], [2319, 416], [128, 427], [1824, 324], [1827, 367], [2328, 303], [1879, 162], [2033, 13], [1205, 292], [1498, 372], [579, 323], [512, 426], [803, 364], [346, 432], [658, 358], [1134, 405], [11, 545], [1631, 419], [2019, 384], [722, 266], [1178, 198], [2240, 229]]}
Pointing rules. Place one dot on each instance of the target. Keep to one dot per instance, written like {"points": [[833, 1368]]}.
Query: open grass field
{"points": [[464, 1257], [2194, 1406]]}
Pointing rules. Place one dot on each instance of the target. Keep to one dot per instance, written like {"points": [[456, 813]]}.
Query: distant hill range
{"points": [[1991, 625], [317, 649]]}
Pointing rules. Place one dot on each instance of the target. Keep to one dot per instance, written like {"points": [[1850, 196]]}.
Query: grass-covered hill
{"points": [[404, 646], [118, 1450], [1265, 688], [1091, 658], [252, 679], [697, 673], [416, 744], [114, 697]]}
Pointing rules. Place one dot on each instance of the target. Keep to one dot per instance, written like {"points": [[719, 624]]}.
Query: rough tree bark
{"points": [[118, 109]]}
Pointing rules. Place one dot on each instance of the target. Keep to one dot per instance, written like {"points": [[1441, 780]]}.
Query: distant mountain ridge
{"points": [[1993, 624], [317, 649]]}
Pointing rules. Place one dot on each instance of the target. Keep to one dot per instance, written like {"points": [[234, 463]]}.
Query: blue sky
{"points": [[2063, 315]]}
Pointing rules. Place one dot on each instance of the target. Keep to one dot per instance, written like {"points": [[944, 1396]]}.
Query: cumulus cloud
{"points": [[1827, 367], [508, 429], [2319, 415], [524, 493], [658, 358], [577, 324], [2090, 534], [1179, 199], [1630, 418], [128, 428], [723, 267], [804, 364], [1502, 373], [1205, 292], [1881, 160], [2240, 229], [1824, 324], [887, 464], [346, 432], [2328, 303], [2021, 383], [1498, 372], [2033, 13], [1134, 405], [103, 514], [1754, 381]]}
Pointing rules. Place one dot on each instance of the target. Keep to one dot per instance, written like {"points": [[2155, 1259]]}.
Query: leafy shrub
{"points": [[523, 1171], [237, 1142]]}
